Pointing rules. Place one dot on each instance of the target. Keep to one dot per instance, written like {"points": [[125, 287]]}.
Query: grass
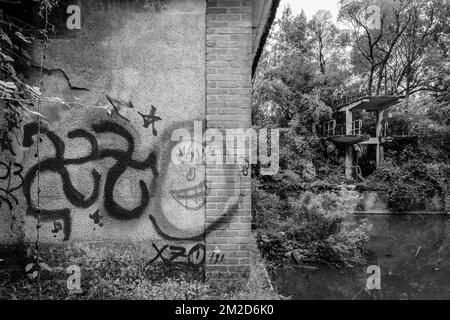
{"points": [[116, 280]]}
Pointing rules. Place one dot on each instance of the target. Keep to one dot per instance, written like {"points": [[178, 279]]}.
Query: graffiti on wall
{"points": [[11, 180], [216, 257], [170, 253], [96, 217], [58, 164], [118, 105], [246, 168], [182, 188], [57, 227], [150, 119], [168, 190]]}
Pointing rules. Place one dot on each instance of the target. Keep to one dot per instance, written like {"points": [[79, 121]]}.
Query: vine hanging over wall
{"points": [[17, 97]]}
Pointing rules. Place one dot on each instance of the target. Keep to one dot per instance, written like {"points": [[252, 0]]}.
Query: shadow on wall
{"points": [[171, 195]]}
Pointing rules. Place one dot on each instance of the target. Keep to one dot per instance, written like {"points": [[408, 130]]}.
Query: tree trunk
{"points": [[370, 84], [380, 79], [407, 92]]}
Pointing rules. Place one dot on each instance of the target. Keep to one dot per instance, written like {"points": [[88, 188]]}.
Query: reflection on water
{"points": [[413, 253]]}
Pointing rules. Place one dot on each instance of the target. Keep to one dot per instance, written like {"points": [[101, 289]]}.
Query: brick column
{"points": [[228, 106]]}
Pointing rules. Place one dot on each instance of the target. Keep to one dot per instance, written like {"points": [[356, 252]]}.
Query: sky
{"points": [[310, 7]]}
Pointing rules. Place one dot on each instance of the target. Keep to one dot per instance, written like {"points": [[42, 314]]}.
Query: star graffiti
{"points": [[150, 119], [119, 105]]}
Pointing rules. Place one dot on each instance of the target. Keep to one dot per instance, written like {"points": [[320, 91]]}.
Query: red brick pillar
{"points": [[228, 106]]}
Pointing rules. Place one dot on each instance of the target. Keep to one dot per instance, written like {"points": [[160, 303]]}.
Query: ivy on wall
{"points": [[19, 99]]}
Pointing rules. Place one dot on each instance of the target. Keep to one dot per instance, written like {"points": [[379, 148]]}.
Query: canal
{"points": [[412, 251]]}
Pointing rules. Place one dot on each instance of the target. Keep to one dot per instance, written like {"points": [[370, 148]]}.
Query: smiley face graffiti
{"points": [[179, 210]]}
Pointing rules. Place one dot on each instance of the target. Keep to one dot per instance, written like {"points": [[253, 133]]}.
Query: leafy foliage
{"points": [[108, 275], [16, 39], [312, 67], [315, 227], [412, 185]]}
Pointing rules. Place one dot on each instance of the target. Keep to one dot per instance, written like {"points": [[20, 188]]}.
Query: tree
{"points": [[374, 47], [323, 37], [401, 56], [419, 50]]}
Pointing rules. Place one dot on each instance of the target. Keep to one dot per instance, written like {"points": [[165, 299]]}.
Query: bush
{"points": [[411, 185], [265, 207], [175, 281], [317, 227]]}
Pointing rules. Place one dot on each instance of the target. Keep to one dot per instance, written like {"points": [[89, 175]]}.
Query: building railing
{"points": [[329, 128], [395, 129], [332, 129], [356, 127]]}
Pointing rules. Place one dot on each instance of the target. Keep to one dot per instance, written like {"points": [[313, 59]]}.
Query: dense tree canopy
{"points": [[311, 67]]}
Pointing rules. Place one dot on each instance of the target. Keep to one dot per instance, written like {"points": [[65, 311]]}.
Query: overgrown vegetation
{"points": [[109, 276], [413, 185], [308, 70], [312, 67], [21, 24], [24, 23], [313, 229]]}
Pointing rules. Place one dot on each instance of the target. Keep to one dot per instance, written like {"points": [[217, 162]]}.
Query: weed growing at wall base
{"points": [[106, 278]]}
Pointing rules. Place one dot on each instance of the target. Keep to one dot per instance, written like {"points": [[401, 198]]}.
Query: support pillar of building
{"points": [[228, 106], [348, 148], [379, 133]]}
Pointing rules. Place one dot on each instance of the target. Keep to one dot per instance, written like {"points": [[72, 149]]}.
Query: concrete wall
{"points": [[134, 72]]}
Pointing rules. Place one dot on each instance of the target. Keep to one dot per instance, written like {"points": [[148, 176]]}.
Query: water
{"points": [[413, 253]]}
